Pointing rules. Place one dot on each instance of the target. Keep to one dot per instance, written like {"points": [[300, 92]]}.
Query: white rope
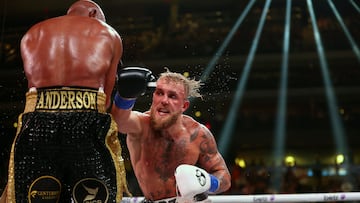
{"points": [[306, 197]]}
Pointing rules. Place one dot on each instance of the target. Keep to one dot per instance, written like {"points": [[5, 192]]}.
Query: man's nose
{"points": [[165, 100]]}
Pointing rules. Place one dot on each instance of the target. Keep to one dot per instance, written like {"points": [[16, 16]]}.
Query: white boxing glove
{"points": [[192, 180]]}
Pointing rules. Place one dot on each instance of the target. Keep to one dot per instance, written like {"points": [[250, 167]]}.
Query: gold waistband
{"points": [[65, 99]]}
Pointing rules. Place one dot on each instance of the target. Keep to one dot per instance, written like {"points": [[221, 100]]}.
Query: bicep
{"points": [[210, 158], [212, 161], [127, 121]]}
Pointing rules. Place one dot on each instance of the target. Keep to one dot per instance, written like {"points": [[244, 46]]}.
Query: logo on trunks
{"points": [[44, 189], [201, 177], [66, 100], [90, 190]]}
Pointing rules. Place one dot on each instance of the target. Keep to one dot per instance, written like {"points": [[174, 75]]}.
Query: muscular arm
{"points": [[131, 83], [128, 121], [211, 160], [110, 76]]}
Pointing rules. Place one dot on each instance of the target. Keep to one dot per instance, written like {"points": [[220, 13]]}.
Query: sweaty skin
{"points": [[77, 49], [163, 138]]}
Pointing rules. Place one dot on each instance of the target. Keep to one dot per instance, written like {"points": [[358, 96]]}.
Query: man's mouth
{"points": [[163, 111]]}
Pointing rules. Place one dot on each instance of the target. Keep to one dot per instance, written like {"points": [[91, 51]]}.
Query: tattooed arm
{"points": [[211, 160]]}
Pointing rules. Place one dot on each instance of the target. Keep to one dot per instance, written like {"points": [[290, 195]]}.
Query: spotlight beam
{"points": [[346, 31], [210, 67], [280, 128], [355, 5], [228, 129], [336, 124]]}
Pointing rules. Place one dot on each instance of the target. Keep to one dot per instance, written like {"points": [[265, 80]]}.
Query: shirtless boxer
{"points": [[174, 157], [66, 147]]}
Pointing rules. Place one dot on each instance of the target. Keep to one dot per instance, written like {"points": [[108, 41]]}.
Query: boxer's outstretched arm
{"points": [[132, 82], [128, 121]]}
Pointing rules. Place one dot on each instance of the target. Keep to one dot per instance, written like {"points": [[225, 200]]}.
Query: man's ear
{"points": [[92, 13], [186, 105]]}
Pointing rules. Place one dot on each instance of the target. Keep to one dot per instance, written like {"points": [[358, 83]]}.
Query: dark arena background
{"points": [[281, 81]]}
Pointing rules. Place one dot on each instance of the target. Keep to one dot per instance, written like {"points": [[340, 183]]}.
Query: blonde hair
{"points": [[191, 86]]}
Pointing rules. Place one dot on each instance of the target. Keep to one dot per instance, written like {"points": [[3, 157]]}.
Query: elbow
{"points": [[225, 183]]}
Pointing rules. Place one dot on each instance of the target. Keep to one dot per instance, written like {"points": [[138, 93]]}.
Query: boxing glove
{"points": [[192, 180], [132, 82]]}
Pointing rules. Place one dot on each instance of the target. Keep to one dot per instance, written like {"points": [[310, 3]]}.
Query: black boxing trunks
{"points": [[66, 149]]}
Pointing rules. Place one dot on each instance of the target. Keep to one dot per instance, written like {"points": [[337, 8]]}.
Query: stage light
{"points": [[340, 159], [240, 162], [290, 161], [198, 114], [208, 125]]}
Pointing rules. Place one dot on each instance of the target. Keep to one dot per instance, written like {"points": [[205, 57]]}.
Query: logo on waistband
{"points": [[44, 189], [66, 100], [90, 190]]}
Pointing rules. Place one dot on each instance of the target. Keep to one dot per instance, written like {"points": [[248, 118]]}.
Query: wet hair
{"points": [[87, 8], [191, 86]]}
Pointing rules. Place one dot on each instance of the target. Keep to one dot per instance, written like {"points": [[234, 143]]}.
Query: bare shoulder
{"points": [[196, 129], [34, 30], [189, 122], [109, 27]]}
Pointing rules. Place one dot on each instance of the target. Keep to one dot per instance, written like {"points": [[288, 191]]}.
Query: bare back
{"points": [[71, 51]]}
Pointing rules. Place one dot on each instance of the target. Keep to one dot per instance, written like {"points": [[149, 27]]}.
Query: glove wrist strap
{"points": [[214, 183], [123, 103]]}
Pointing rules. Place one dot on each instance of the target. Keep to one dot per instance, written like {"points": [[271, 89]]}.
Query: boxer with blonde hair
{"points": [[174, 157]]}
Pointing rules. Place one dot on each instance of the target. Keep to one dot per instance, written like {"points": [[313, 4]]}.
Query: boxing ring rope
{"points": [[305, 197]]}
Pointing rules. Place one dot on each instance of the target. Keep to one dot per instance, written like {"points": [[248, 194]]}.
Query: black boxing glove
{"points": [[132, 82]]}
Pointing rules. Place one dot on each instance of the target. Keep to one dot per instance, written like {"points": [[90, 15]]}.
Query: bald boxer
{"points": [[66, 147], [174, 157]]}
